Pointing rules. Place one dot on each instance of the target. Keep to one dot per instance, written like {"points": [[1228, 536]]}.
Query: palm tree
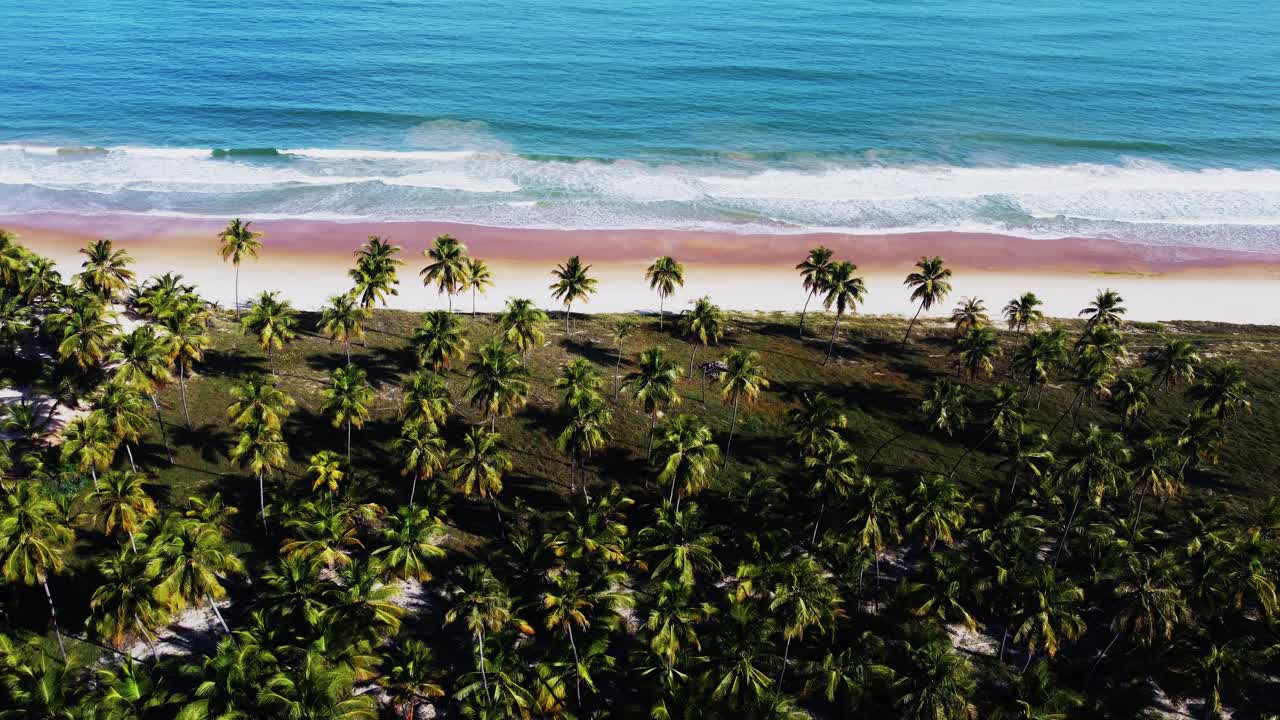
{"points": [[930, 283], [673, 623], [691, 456], [479, 278], [1151, 601], [317, 691], [813, 276], [499, 382], [238, 243], [1027, 450], [119, 499], [190, 561], [937, 511], [970, 314], [945, 591], [32, 542], [834, 469], [1130, 395], [125, 415], [805, 599], [326, 467], [744, 379], [142, 363], [1156, 472], [40, 280], [422, 453], [125, 601], [875, 520], [938, 685], [1023, 312], [375, 272], [439, 341], [703, 324], [448, 266], [186, 336], [1036, 359], [975, 351], [844, 291], [258, 399], [477, 467], [87, 443], [572, 283], [664, 275], [273, 322], [586, 432], [481, 603], [1096, 465], [343, 319], [620, 330], [425, 398], [106, 273], [818, 419], [946, 407], [682, 544], [521, 325], [1048, 613], [85, 330], [571, 602], [653, 383], [1222, 391], [135, 691], [408, 543], [260, 449], [411, 674], [347, 399], [1105, 310], [847, 676], [1174, 362]]}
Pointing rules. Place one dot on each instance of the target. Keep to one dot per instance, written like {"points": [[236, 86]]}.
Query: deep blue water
{"points": [[1154, 120]]}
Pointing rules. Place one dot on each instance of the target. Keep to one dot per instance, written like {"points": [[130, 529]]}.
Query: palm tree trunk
{"points": [[348, 443], [182, 384], [484, 676], [450, 296], [53, 615], [262, 501], [129, 451], [164, 436], [672, 495], [968, 450], [577, 674], [155, 654], [692, 353], [473, 303], [1030, 655], [218, 613], [886, 444], [1063, 416], [498, 512], [617, 371], [804, 310], [662, 301], [786, 653], [566, 321], [1098, 662], [814, 538], [911, 325], [831, 345], [733, 422], [1062, 541], [271, 359], [1004, 642], [875, 601], [653, 426], [1013, 485], [1133, 532], [237, 295], [347, 346], [132, 542], [413, 489]]}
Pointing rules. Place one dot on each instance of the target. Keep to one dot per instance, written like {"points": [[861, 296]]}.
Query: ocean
{"points": [[1155, 121]]}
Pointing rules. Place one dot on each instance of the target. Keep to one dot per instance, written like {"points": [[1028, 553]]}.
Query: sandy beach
{"points": [[307, 261]]}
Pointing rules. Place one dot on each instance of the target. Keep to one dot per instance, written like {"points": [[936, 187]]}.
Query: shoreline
{"points": [[307, 261]]}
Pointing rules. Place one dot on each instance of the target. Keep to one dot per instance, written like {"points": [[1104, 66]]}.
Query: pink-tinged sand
{"points": [[307, 261]]}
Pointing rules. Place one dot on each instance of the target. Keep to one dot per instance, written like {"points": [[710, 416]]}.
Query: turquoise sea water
{"points": [[1151, 120]]}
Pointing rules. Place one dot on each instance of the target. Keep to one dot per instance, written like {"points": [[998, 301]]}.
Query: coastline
{"points": [[307, 261]]}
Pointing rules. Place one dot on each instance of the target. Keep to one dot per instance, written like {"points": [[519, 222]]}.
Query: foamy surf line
{"points": [[1136, 200]]}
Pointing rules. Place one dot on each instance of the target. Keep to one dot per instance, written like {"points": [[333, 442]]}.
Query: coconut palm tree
{"points": [[521, 325], [937, 511], [40, 281], [106, 272], [573, 602], [88, 444], [317, 690], [1023, 312], [585, 433], [448, 267], [875, 519], [1130, 395], [425, 399], [1027, 450], [1039, 357], [842, 290], [938, 685], [1094, 466], [499, 382], [85, 330], [572, 283], [691, 456], [1106, 310], [653, 383], [190, 560], [1151, 603], [273, 322], [125, 415], [258, 399], [970, 314], [135, 691], [743, 380], [407, 544], [120, 499], [673, 623], [930, 283], [813, 276], [834, 469], [480, 603], [1173, 362], [142, 362], [664, 276], [343, 319], [976, 350], [848, 676], [125, 604], [261, 450], [422, 453], [238, 243], [805, 599], [186, 337], [325, 467], [682, 545], [479, 278], [411, 674], [32, 542], [703, 324], [478, 466], [817, 420], [945, 591], [347, 399], [620, 330], [439, 341], [1048, 613], [1156, 472], [946, 407], [1222, 391], [374, 275]]}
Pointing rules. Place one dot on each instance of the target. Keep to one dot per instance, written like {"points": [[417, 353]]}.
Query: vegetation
{"points": [[1065, 519]]}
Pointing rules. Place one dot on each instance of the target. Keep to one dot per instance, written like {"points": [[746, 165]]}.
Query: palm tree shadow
{"points": [[231, 363], [590, 351], [211, 440]]}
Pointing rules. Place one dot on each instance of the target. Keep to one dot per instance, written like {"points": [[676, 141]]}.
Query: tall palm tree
{"points": [[317, 690], [703, 324], [479, 278], [938, 511], [87, 444], [843, 290], [141, 362], [813, 276], [499, 381], [124, 413], [1039, 357], [1023, 312], [586, 432], [425, 398], [572, 602], [1095, 466], [40, 280], [946, 590], [343, 319], [970, 314], [521, 325], [620, 330], [930, 283], [946, 407], [876, 519], [411, 674], [422, 453], [1048, 613], [1174, 361], [439, 341], [682, 545], [834, 469], [818, 419], [191, 560], [572, 283], [448, 266], [375, 272], [1106, 310], [653, 383], [261, 450], [238, 243], [1152, 605], [664, 276], [408, 542], [692, 456], [938, 685], [976, 350], [326, 469], [273, 322], [258, 399], [32, 542], [1027, 450], [1130, 395], [120, 499], [187, 337], [85, 330], [477, 467], [743, 380], [1222, 391], [106, 270], [125, 602], [481, 604], [805, 599], [347, 399]]}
